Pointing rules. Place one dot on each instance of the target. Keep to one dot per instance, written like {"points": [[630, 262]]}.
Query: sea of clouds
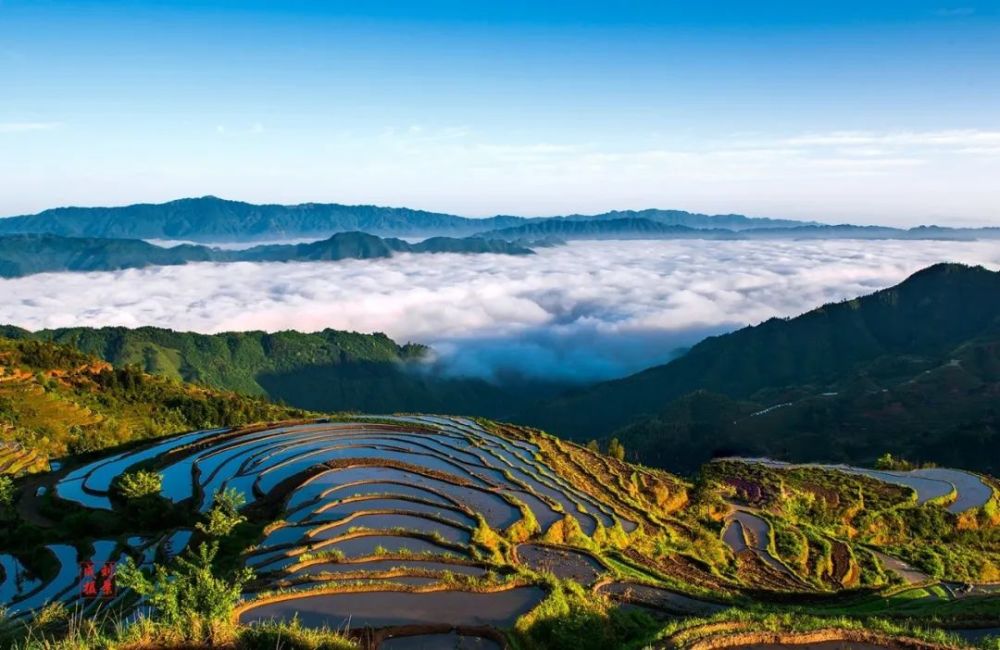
{"points": [[585, 311]]}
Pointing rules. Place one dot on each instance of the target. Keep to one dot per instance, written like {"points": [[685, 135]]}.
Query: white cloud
{"points": [[255, 128], [587, 310], [25, 127], [941, 138]]}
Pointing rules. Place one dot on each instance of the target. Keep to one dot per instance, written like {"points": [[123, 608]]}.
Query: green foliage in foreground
{"points": [[573, 618], [225, 513], [7, 493], [191, 603], [291, 635], [688, 630], [59, 628]]}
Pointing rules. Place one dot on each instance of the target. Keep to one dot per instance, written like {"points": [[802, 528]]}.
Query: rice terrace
{"points": [[439, 531], [457, 325]]}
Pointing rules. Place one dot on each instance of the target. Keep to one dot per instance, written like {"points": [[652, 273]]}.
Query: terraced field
{"points": [[397, 523], [962, 490], [422, 531], [16, 460]]}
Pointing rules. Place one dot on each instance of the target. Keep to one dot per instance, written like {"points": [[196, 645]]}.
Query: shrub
{"points": [[139, 485], [225, 513], [6, 496], [190, 602], [572, 618], [616, 449], [143, 504]]}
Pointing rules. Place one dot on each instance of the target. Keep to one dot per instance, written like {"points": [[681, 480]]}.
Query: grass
{"points": [[59, 628], [683, 633]]}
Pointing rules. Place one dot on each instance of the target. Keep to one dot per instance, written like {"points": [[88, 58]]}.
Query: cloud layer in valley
{"points": [[589, 310]]}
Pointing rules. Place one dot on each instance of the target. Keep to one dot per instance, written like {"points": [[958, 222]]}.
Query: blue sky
{"points": [[884, 112]]}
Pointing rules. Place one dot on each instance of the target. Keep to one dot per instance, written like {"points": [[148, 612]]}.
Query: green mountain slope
{"points": [[323, 371], [56, 400], [27, 254], [880, 354]]}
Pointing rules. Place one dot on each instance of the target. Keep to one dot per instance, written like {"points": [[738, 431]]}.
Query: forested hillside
{"points": [[912, 369], [56, 400], [323, 371]]}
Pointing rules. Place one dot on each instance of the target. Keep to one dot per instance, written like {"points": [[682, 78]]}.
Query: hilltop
{"points": [[56, 400], [911, 369], [322, 371], [22, 255]]}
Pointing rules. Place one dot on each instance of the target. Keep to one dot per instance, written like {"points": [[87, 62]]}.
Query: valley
{"points": [[821, 479]]}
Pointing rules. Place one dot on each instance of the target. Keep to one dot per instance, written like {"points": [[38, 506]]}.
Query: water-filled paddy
{"points": [[387, 608], [494, 508], [368, 545], [972, 491], [563, 563], [734, 536], [388, 488], [271, 478], [65, 580], [659, 598], [338, 511], [17, 582], [393, 521]]}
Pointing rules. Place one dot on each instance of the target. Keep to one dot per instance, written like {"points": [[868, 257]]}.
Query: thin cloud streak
{"points": [[26, 127], [586, 311]]}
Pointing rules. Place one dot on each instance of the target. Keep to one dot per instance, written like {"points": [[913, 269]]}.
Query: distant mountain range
{"points": [[643, 228], [624, 228], [27, 254], [213, 220], [913, 370]]}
